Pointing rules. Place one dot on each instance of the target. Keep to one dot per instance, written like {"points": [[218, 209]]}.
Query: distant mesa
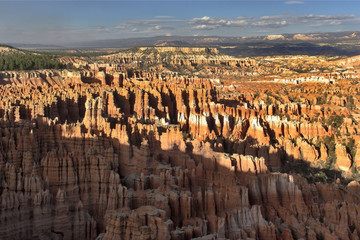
{"points": [[274, 37], [305, 37]]}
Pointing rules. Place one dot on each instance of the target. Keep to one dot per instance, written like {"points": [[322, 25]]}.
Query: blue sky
{"points": [[57, 22]]}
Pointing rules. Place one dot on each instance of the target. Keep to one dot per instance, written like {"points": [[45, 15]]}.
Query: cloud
{"points": [[294, 2], [101, 29], [325, 20], [270, 24], [277, 21], [208, 23], [120, 26], [158, 29], [150, 22], [211, 23], [149, 26], [271, 21], [326, 17], [270, 17], [205, 27], [144, 22]]}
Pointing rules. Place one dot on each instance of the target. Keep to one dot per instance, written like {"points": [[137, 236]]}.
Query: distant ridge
{"points": [[6, 46], [7, 49], [31, 45], [134, 42], [330, 44], [212, 40]]}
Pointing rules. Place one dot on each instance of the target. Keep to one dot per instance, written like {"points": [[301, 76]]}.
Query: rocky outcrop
{"points": [[343, 159]]}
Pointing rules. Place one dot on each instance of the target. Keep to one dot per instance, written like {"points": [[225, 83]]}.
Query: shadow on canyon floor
{"points": [[85, 168], [55, 158], [289, 164]]}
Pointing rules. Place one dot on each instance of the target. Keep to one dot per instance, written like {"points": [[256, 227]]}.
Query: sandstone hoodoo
{"points": [[179, 143]]}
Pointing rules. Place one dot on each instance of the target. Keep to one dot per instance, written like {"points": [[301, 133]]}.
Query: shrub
{"points": [[320, 236], [351, 148], [335, 121], [352, 227], [130, 72], [329, 142], [321, 100], [268, 100], [29, 62], [350, 102]]}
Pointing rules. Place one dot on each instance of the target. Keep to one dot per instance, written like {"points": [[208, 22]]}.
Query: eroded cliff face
{"points": [[99, 153]]}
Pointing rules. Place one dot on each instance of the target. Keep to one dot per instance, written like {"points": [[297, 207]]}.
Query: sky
{"points": [[61, 22]]}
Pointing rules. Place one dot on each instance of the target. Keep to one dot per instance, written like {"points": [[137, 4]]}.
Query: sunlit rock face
{"points": [[99, 154]]}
